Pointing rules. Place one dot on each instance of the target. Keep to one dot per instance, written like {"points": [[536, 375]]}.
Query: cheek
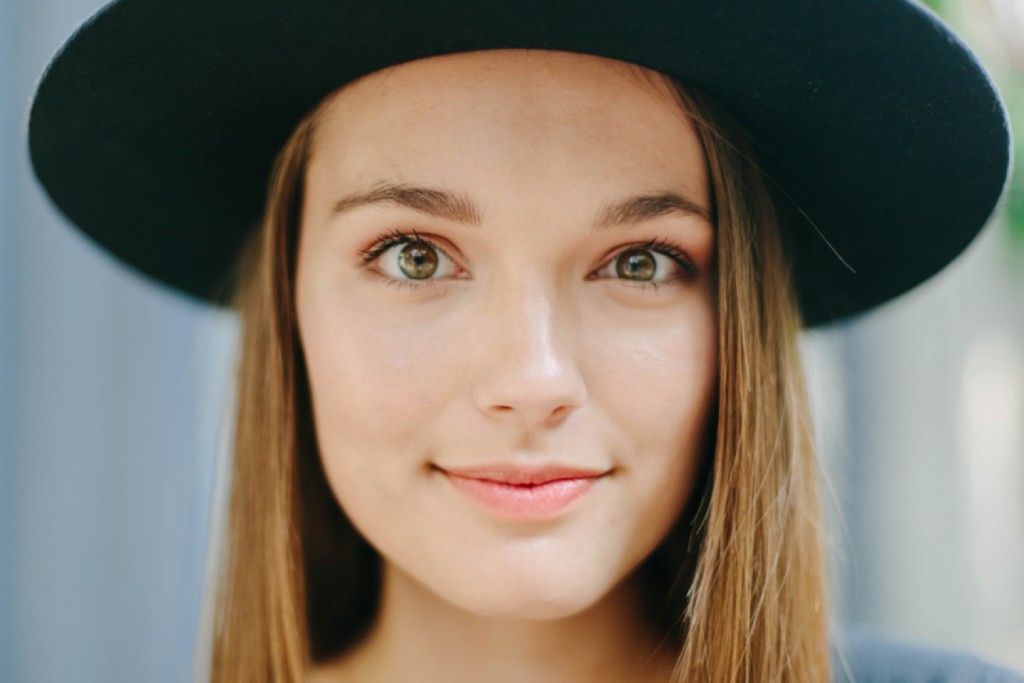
{"points": [[371, 394], [374, 378], [657, 380], [656, 385]]}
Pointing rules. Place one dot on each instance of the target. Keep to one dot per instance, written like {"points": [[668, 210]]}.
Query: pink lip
{"points": [[522, 493]]}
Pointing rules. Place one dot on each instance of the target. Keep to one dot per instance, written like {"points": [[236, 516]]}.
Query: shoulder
{"points": [[864, 655]]}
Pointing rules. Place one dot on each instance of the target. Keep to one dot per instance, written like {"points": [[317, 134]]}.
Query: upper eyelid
{"points": [[394, 238], [674, 252]]}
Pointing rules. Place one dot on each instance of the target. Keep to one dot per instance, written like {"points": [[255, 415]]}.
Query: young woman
{"points": [[519, 395]]}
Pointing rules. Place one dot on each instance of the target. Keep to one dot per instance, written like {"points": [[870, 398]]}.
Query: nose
{"points": [[529, 373]]}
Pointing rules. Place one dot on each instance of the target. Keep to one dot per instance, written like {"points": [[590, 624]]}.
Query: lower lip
{"points": [[536, 502]]}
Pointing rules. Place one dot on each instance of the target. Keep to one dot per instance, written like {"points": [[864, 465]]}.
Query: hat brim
{"points": [[155, 127]]}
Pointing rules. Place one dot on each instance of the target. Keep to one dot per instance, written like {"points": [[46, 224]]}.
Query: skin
{"points": [[526, 345]]}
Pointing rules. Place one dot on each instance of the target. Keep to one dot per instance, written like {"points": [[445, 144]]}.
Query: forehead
{"points": [[522, 72], [513, 116]]}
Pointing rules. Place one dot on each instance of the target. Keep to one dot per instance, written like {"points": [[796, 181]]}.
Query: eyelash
{"points": [[387, 240]]}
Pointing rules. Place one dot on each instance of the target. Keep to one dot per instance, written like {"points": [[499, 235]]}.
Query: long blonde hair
{"points": [[743, 569]]}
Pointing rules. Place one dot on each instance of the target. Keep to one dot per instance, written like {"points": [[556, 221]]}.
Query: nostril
{"points": [[560, 411], [559, 414]]}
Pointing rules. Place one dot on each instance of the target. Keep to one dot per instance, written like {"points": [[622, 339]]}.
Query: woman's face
{"points": [[505, 295]]}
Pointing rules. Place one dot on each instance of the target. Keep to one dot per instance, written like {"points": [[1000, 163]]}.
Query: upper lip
{"points": [[508, 473]]}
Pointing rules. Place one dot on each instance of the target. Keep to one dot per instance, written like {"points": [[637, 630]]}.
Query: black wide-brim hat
{"points": [[155, 127]]}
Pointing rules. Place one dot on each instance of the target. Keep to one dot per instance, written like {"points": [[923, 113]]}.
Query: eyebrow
{"points": [[458, 208], [433, 202], [649, 206]]}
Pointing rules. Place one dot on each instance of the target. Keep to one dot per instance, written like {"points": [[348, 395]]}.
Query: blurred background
{"points": [[112, 396]]}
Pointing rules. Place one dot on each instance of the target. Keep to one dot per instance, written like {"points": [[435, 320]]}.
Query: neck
{"points": [[418, 637]]}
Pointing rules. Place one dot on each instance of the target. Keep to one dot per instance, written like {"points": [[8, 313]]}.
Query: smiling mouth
{"points": [[524, 494]]}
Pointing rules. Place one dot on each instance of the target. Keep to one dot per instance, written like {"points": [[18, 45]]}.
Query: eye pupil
{"points": [[636, 264], [417, 260]]}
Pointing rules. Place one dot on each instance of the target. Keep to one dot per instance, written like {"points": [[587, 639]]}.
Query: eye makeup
{"points": [[686, 269]]}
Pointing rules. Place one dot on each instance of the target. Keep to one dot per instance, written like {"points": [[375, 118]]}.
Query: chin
{"points": [[525, 600], [533, 610]]}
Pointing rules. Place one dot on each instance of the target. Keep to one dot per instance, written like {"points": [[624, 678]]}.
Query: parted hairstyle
{"points": [[737, 587]]}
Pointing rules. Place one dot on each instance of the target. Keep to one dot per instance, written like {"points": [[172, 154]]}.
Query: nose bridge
{"points": [[530, 371]]}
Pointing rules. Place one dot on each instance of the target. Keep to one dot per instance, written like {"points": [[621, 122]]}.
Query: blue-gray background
{"points": [[112, 397]]}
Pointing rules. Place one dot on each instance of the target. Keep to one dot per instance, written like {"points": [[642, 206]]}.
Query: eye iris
{"points": [[636, 264], [417, 260]]}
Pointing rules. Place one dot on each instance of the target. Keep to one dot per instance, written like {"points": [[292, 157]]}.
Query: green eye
{"points": [[418, 260], [651, 264], [406, 259], [636, 264]]}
